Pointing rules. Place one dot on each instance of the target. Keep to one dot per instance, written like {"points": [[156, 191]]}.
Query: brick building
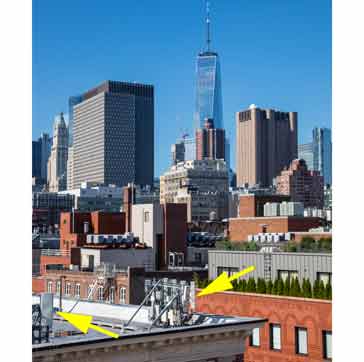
{"points": [[121, 287], [301, 184], [251, 221], [251, 205], [75, 226], [240, 228], [210, 142], [297, 330]]}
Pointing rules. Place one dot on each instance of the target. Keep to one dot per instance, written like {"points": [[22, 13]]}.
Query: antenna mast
{"points": [[208, 25]]}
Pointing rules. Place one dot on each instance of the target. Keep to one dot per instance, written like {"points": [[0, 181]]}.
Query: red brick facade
{"points": [[240, 228], [72, 226], [289, 312], [301, 184], [253, 205]]}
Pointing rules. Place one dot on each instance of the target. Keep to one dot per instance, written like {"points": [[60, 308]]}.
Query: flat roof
{"points": [[113, 316]]}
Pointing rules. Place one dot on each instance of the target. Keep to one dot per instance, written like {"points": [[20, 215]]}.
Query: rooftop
{"points": [[113, 316]]}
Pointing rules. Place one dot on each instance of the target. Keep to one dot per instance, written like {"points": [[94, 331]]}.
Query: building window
{"points": [[112, 295], [49, 287], [284, 274], [325, 277], [275, 336], [198, 257], [301, 340], [58, 287], [122, 295], [229, 271], [146, 216], [90, 292], [255, 338], [100, 293], [68, 289], [77, 290], [326, 341]]}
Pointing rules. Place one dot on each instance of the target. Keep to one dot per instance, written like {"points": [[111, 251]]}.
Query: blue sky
{"points": [[274, 53]]}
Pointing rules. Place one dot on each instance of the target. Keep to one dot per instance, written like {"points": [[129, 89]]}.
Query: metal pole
{"points": [[142, 303], [163, 310]]}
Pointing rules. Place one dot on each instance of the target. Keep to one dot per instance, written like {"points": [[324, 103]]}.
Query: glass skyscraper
{"points": [[208, 90], [322, 153], [318, 153]]}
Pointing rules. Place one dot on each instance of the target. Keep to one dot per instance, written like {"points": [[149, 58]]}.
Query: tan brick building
{"points": [[266, 142], [301, 184]]}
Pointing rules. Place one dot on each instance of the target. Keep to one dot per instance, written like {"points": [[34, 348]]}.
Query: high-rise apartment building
{"points": [[57, 162], [266, 142], [322, 150], [113, 135], [210, 142], [301, 184]]}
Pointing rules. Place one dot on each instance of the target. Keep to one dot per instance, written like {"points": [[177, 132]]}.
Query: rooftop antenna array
{"points": [[171, 302]]}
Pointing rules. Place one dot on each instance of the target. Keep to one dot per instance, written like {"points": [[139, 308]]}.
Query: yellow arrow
{"points": [[223, 282], [83, 323]]}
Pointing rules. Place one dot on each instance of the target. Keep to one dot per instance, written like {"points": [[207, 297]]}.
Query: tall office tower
{"points": [[210, 142], [41, 150], [305, 152], [178, 152], [72, 101], [36, 159], [57, 163], [113, 135], [208, 90], [322, 153], [266, 143]]}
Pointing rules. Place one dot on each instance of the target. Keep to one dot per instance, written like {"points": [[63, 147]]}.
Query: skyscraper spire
{"points": [[208, 37]]}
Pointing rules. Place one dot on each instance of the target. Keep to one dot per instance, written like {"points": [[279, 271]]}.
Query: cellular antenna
{"points": [[208, 35]]}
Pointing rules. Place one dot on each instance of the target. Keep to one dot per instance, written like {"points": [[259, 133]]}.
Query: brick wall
{"points": [[240, 228], [289, 312]]}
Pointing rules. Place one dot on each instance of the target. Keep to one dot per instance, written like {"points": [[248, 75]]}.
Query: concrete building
{"points": [[266, 143], [113, 135], [122, 258], [57, 162], [70, 168], [271, 266], [298, 330], [206, 338], [92, 197], [301, 184], [202, 185], [162, 227], [210, 142]]}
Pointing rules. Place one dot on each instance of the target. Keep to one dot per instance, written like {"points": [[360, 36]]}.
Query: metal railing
{"points": [[55, 252]]}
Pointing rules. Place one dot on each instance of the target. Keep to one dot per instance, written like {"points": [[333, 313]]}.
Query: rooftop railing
{"points": [[55, 252]]}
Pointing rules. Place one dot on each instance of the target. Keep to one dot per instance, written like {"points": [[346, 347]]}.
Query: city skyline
{"points": [[246, 79]]}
